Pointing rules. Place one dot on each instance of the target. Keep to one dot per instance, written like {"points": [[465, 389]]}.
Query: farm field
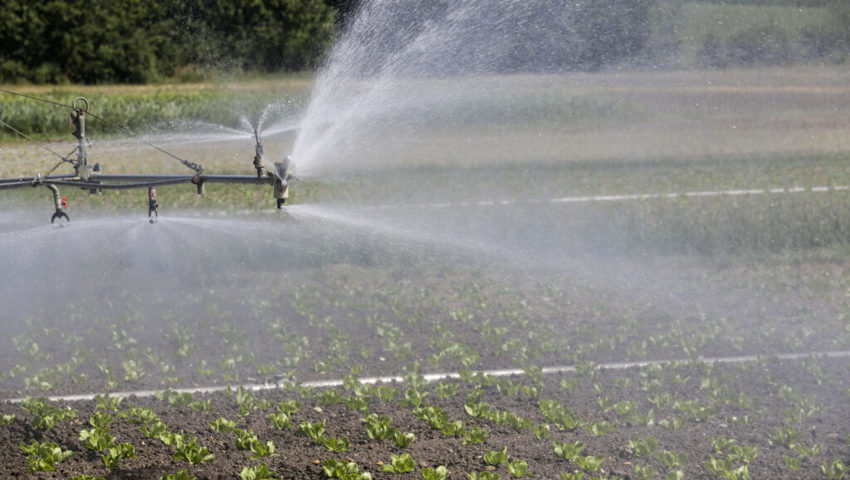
{"points": [[694, 337]]}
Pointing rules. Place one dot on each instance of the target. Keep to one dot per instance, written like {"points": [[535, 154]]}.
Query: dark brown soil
{"points": [[387, 322]]}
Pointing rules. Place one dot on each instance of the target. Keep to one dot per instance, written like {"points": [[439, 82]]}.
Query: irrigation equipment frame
{"points": [[91, 177]]}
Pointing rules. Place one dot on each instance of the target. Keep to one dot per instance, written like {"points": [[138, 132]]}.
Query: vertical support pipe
{"points": [[78, 119]]}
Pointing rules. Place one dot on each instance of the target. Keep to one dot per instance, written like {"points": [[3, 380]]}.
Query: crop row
{"points": [[647, 410]]}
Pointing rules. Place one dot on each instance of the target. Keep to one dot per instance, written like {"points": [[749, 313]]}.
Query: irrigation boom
{"points": [[91, 177]]}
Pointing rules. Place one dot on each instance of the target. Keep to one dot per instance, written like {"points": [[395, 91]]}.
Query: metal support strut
{"points": [[78, 120]]}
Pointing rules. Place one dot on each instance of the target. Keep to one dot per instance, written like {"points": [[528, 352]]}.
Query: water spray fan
{"points": [[91, 177]]}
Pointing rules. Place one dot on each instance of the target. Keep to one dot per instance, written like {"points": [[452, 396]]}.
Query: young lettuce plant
{"points": [[541, 431], [589, 463], [519, 469], [439, 473], [180, 475], [281, 420], [674, 459], [727, 470], [187, 449], [787, 436], [356, 403], [400, 464], [567, 451], [329, 398], [257, 472], [117, 453], [378, 428], [402, 439], [744, 454], [222, 425], [496, 457], [105, 402], [337, 445], [46, 416], [6, 419], [247, 440], [386, 393], [476, 436], [316, 431], [834, 471], [484, 476], [344, 470], [644, 472], [643, 447], [43, 456], [96, 439], [599, 428], [446, 390]]}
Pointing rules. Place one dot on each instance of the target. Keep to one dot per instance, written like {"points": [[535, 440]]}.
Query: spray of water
{"points": [[402, 67]]}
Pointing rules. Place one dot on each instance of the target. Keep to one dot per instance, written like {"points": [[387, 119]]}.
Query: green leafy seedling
{"points": [[155, 430], [834, 471], [496, 457], [316, 431], [675, 475], [643, 447], [721, 444], [180, 475], [674, 459], [260, 449], [281, 420], [793, 463], [484, 476], [567, 450], [45, 415], [289, 406], [644, 472], [100, 419], [337, 445], [439, 473], [519, 469], [590, 463], [117, 453], [446, 390], [105, 402], [541, 431], [96, 439], [329, 398], [43, 456], [340, 468], [402, 439], [476, 436], [222, 425], [378, 428], [257, 472], [745, 454], [187, 449], [787, 436], [400, 464]]}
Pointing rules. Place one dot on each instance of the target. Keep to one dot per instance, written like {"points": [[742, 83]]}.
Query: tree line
{"points": [[141, 41], [138, 41]]}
